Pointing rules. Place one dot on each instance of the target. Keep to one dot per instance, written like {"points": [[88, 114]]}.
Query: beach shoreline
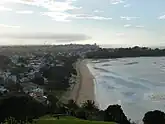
{"points": [[83, 89]]}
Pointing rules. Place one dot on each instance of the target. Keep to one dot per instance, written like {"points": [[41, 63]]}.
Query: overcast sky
{"points": [[128, 22]]}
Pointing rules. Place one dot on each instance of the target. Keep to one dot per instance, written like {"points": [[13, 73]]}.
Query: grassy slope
{"points": [[67, 120]]}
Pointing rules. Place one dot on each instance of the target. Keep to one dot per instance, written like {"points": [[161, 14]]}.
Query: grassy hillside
{"points": [[67, 120]]}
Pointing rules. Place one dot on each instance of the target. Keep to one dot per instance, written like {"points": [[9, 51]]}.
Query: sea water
{"points": [[137, 84]]}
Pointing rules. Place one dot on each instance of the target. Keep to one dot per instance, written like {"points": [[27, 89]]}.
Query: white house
{"points": [[3, 90]]}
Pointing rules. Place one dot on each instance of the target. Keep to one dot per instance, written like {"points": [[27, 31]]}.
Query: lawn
{"points": [[67, 120]]}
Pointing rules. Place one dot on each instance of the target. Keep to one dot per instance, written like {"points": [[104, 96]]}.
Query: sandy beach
{"points": [[84, 88]]}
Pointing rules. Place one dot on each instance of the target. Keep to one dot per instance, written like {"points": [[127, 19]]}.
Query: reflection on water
{"points": [[136, 83]]}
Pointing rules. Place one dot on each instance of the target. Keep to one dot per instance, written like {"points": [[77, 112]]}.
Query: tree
{"points": [[53, 103], [154, 117], [125, 52], [72, 106], [21, 107], [38, 80], [115, 113], [22, 60], [90, 106], [16, 87], [5, 62], [82, 114], [90, 109]]}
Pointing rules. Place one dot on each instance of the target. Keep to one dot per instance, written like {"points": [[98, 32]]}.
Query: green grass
{"points": [[67, 120]]}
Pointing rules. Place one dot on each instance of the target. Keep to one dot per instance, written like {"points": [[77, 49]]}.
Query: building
{"points": [[3, 90]]}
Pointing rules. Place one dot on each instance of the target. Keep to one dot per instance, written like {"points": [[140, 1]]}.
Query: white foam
{"points": [[138, 88]]}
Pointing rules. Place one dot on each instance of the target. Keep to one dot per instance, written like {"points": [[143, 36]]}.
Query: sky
{"points": [[108, 22]]}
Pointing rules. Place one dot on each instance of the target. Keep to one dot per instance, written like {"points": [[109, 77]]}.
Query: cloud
{"points": [[127, 25], [66, 17], [25, 12], [50, 5], [139, 26], [50, 36], [98, 11], [58, 16], [9, 26], [120, 34], [58, 10], [2, 8], [127, 5], [128, 18], [116, 1], [86, 16], [2, 2], [161, 17]]}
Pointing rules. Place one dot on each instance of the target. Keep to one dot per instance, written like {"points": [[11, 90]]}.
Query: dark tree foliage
{"points": [[125, 52], [38, 80], [90, 106], [14, 87], [58, 76], [5, 62], [115, 113], [52, 107], [72, 107], [18, 70], [61, 109], [82, 114], [21, 107], [23, 60], [154, 117], [91, 110]]}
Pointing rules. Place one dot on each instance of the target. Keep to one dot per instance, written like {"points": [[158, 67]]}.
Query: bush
{"points": [[82, 114], [21, 108], [115, 113], [154, 117]]}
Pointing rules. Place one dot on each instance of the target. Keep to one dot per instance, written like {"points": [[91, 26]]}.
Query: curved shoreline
{"points": [[84, 88]]}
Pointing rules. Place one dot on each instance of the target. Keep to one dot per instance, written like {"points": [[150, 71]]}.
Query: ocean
{"points": [[137, 84]]}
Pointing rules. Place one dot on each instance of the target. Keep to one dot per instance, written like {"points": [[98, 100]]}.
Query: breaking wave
{"points": [[138, 88]]}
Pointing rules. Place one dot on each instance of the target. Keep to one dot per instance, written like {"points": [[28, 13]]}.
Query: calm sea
{"points": [[137, 84]]}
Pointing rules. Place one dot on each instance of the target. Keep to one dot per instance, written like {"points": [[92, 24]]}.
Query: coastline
{"points": [[83, 89]]}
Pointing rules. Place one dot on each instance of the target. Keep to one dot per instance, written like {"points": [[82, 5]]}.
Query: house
{"points": [[38, 91], [45, 80], [13, 78], [14, 59], [31, 74], [3, 90], [60, 65], [6, 75], [24, 79]]}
